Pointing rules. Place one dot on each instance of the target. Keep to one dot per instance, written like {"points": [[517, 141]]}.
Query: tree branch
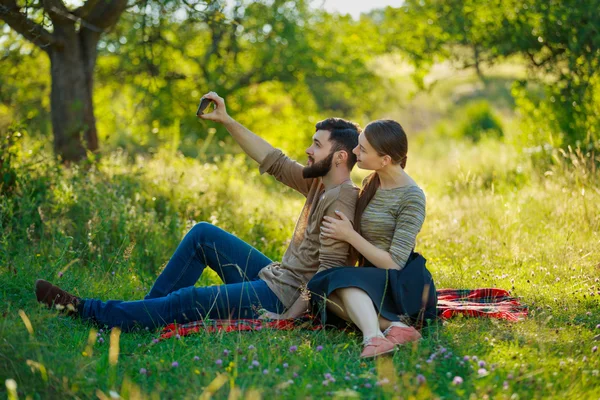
{"points": [[57, 11], [104, 14], [36, 34], [85, 9]]}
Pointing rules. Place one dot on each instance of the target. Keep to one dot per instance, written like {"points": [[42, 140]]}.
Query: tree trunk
{"points": [[72, 66]]}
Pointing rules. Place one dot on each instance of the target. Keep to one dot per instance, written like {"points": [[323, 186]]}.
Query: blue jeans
{"points": [[173, 298]]}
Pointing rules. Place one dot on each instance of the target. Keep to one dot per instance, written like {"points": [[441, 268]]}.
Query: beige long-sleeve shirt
{"points": [[308, 252]]}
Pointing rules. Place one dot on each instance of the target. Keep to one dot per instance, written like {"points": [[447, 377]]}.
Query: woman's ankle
{"points": [[367, 339], [397, 324]]}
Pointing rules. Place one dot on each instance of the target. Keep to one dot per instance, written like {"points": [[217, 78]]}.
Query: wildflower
{"points": [[226, 352], [219, 362], [420, 379], [174, 364], [285, 365], [60, 274], [251, 347], [196, 358], [594, 349], [466, 358], [293, 349], [178, 336], [265, 371], [143, 371], [457, 381], [255, 363], [308, 386], [368, 385], [481, 363], [154, 341], [295, 374], [482, 371], [325, 382], [505, 385], [276, 369], [319, 348], [101, 340], [384, 381]]}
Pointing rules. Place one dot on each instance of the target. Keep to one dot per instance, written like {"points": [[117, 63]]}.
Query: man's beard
{"points": [[319, 169]]}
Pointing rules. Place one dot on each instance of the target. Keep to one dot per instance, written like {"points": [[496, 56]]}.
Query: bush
{"points": [[479, 120]]}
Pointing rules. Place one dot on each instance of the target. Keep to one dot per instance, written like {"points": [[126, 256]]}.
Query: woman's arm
{"points": [[342, 229], [379, 258]]}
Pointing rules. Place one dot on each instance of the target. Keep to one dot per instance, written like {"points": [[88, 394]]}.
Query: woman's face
{"points": [[367, 157]]}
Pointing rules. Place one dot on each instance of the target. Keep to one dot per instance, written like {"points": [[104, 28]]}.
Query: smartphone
{"points": [[203, 105]]}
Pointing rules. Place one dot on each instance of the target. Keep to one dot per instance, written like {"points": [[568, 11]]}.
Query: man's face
{"points": [[319, 156]]}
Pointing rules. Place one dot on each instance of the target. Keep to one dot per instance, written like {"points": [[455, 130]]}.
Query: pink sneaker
{"points": [[400, 335], [377, 346]]}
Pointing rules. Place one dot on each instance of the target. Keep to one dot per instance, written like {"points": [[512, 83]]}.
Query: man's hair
{"points": [[343, 134]]}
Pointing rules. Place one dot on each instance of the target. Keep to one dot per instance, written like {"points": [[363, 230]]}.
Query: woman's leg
{"points": [[237, 300], [359, 307], [336, 306], [230, 257]]}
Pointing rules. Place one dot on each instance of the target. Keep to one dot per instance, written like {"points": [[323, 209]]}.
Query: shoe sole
{"points": [[380, 354]]}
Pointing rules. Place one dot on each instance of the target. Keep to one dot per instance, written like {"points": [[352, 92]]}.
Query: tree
{"points": [[558, 40], [69, 38]]}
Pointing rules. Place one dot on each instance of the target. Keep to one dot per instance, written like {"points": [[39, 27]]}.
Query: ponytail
{"points": [[364, 197]]}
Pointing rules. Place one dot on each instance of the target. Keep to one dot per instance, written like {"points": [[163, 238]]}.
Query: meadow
{"points": [[496, 217]]}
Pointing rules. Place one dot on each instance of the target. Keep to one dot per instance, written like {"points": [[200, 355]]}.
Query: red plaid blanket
{"points": [[488, 302]]}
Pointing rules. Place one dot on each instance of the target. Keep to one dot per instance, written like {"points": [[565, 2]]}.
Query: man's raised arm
{"points": [[253, 145]]}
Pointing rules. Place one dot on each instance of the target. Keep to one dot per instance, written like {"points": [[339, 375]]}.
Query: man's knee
{"points": [[203, 231]]}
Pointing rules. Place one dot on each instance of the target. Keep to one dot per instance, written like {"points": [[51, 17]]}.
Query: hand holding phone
{"points": [[204, 102], [218, 114]]}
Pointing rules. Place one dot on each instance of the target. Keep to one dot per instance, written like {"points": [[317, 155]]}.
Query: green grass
{"points": [[494, 218], [492, 221]]}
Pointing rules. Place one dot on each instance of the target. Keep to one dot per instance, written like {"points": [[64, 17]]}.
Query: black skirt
{"points": [[407, 295]]}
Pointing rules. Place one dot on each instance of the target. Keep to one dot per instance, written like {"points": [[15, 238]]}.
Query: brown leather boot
{"points": [[53, 296]]}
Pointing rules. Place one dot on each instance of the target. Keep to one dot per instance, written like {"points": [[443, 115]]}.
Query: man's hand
{"points": [[219, 114], [271, 315]]}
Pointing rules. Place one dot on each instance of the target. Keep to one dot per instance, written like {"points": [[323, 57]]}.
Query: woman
{"points": [[393, 289]]}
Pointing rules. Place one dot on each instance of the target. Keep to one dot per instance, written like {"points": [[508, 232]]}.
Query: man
{"points": [[251, 280]]}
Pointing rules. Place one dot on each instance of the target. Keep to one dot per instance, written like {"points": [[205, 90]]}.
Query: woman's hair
{"points": [[387, 138]]}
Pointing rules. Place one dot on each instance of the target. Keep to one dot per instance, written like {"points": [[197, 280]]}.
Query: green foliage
{"points": [[478, 120], [557, 40], [8, 152]]}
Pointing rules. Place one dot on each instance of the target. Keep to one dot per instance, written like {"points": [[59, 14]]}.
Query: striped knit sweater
{"points": [[392, 220]]}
